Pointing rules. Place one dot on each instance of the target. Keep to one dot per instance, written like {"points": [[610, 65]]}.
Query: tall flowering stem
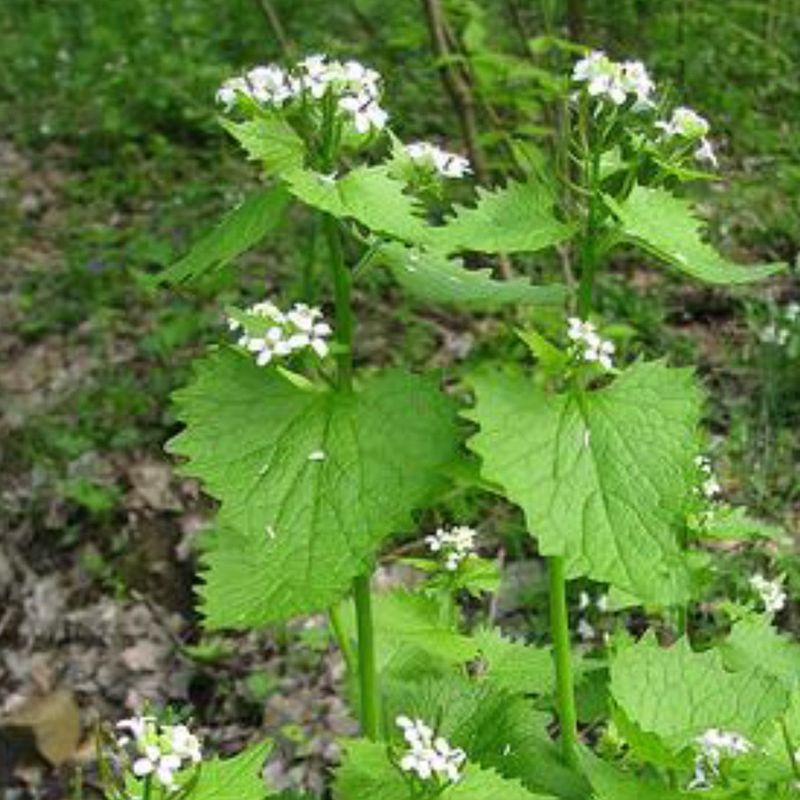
{"points": [[559, 631], [367, 669]]}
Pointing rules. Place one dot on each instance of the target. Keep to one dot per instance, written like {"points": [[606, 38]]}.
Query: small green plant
{"points": [[317, 462]]}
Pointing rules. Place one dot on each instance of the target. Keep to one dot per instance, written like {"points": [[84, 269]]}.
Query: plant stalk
{"points": [[340, 634], [367, 668], [559, 631], [367, 671]]}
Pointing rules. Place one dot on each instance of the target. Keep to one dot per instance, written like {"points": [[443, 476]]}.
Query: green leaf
{"points": [[610, 783], [432, 277], [271, 140], [238, 231], [404, 620], [604, 477], [310, 482], [515, 666], [677, 694], [236, 778], [369, 195], [734, 523], [666, 227], [515, 219], [754, 642], [551, 359], [367, 773]]}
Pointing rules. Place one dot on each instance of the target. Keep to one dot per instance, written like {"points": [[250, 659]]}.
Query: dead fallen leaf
{"points": [[54, 722]]}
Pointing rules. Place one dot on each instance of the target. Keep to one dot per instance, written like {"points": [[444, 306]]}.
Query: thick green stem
{"points": [[367, 669], [559, 631], [342, 283], [588, 254]]}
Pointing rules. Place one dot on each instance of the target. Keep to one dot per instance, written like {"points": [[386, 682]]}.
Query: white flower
{"points": [[275, 334], [453, 544], [365, 112], [229, 92], [636, 80], [270, 85], [605, 78], [774, 334], [138, 727], [772, 593], [709, 485], [429, 756], [685, 123], [585, 630], [446, 164], [158, 750], [167, 765], [705, 152], [588, 345], [713, 746], [185, 744]]}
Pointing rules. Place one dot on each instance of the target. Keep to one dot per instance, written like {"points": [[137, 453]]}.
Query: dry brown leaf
{"points": [[54, 722]]}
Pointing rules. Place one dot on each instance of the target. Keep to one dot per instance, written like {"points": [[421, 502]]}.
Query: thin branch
{"points": [[457, 88], [274, 22], [457, 82]]}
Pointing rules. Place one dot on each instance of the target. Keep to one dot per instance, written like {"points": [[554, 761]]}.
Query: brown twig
{"points": [[456, 86], [276, 26]]}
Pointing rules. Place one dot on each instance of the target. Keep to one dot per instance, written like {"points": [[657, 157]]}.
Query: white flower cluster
{"points": [[779, 332], [709, 485], [772, 593], [585, 630], [429, 756], [158, 750], [617, 82], [454, 544], [614, 81], [283, 334], [357, 88], [685, 123], [448, 165], [688, 124], [713, 746], [587, 344]]}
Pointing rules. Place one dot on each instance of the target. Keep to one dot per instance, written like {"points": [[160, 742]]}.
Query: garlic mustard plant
{"points": [[320, 462]]}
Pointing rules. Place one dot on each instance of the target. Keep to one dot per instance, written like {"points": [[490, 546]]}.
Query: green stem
{"points": [[787, 740], [559, 631], [342, 283], [367, 669], [588, 255], [342, 640]]}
